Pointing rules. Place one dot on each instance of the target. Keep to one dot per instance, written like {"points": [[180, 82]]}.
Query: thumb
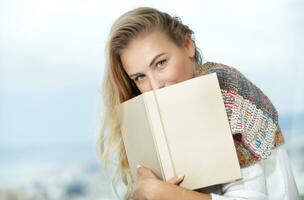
{"points": [[144, 172], [176, 180]]}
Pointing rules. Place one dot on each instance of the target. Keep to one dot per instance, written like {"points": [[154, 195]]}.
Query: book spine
{"points": [[159, 136]]}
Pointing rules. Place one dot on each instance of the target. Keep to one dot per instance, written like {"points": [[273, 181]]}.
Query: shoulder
{"points": [[270, 179], [252, 116], [230, 78], [232, 81], [211, 67]]}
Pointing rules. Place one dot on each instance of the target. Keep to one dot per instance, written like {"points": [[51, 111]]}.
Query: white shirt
{"points": [[270, 179]]}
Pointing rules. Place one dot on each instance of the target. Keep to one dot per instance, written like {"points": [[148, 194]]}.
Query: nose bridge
{"points": [[155, 82]]}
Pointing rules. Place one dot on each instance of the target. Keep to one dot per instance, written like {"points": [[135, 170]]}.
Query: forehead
{"points": [[140, 51]]}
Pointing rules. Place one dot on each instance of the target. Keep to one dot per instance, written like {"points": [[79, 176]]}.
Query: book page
{"points": [[138, 138], [198, 132]]}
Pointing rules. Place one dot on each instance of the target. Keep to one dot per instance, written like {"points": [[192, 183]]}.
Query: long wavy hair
{"points": [[118, 87]]}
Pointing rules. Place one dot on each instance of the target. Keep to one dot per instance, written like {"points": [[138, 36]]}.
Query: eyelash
{"points": [[162, 62], [136, 78]]}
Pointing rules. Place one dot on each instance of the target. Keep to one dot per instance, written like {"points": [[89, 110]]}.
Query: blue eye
{"points": [[140, 78]]}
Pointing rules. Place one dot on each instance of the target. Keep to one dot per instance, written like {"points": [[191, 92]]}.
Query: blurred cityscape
{"points": [[46, 178], [74, 173]]}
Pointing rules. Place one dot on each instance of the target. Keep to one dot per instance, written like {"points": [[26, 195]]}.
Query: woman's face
{"points": [[153, 61]]}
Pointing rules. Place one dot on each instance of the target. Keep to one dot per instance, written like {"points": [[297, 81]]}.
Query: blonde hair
{"points": [[118, 87]]}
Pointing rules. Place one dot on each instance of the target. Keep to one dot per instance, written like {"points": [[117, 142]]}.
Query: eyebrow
{"points": [[151, 63]]}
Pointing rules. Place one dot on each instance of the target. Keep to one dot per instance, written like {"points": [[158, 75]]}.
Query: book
{"points": [[181, 129]]}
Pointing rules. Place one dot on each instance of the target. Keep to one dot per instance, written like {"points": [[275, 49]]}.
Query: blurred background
{"points": [[51, 69]]}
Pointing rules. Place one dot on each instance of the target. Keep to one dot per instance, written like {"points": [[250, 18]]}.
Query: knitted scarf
{"points": [[252, 117]]}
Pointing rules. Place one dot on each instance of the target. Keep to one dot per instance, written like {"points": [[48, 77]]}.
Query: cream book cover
{"points": [[181, 129]]}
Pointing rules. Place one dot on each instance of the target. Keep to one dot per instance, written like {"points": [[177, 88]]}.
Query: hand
{"points": [[147, 183]]}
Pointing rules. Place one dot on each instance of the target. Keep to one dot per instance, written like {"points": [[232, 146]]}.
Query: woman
{"points": [[149, 49]]}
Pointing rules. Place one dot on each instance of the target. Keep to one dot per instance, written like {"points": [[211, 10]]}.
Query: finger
{"points": [[145, 172], [176, 180]]}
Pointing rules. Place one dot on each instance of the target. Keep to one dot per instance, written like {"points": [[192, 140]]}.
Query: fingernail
{"points": [[180, 176], [138, 166]]}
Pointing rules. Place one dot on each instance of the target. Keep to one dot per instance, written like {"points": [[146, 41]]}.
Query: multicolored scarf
{"points": [[252, 117]]}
